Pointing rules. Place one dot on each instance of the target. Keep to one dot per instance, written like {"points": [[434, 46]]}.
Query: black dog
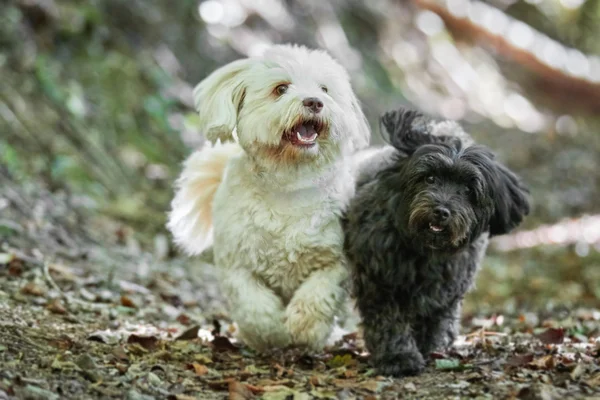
{"points": [[416, 233]]}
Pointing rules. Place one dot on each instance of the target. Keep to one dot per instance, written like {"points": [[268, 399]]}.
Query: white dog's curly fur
{"points": [[272, 200]]}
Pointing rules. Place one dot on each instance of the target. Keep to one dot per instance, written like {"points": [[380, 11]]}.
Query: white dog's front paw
{"points": [[263, 328], [307, 328]]}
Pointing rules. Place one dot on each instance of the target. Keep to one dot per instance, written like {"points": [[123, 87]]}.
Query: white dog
{"points": [[269, 204]]}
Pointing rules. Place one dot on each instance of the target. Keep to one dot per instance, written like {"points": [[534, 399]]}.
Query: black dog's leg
{"points": [[390, 341], [439, 331]]}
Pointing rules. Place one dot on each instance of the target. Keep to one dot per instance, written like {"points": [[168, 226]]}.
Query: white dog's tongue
{"points": [[306, 133]]}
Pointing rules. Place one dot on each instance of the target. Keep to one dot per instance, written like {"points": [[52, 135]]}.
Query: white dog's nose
{"points": [[314, 103]]}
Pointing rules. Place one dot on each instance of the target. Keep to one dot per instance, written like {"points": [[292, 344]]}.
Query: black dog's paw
{"points": [[405, 365]]}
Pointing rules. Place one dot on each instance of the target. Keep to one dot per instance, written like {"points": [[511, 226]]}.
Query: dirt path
{"points": [[89, 316]]}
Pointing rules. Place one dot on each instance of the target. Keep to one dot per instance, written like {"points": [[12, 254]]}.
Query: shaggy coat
{"points": [[416, 233], [268, 195]]}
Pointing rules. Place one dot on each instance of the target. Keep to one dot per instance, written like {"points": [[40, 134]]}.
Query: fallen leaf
{"points": [[200, 369], [183, 319], [323, 394], [33, 289], [131, 287], [316, 380], [203, 359], [59, 364], [147, 342], [593, 382], [546, 362], [181, 397], [189, 334], [350, 373], [127, 302], [56, 307], [519, 360], [255, 389], [34, 392], [120, 354], [372, 385], [552, 336], [410, 387], [447, 364], [15, 267], [88, 367], [107, 337], [345, 360], [577, 372], [437, 356], [221, 344], [62, 342], [220, 384], [239, 391]]}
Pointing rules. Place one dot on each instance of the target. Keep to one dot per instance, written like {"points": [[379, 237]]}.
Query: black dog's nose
{"points": [[313, 103], [442, 213]]}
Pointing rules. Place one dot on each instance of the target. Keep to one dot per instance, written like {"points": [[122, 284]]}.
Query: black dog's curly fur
{"points": [[416, 233]]}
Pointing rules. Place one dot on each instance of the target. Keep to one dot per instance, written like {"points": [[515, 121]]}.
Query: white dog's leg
{"points": [[257, 310], [310, 314]]}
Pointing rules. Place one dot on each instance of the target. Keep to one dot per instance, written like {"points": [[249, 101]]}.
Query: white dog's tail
{"points": [[190, 219]]}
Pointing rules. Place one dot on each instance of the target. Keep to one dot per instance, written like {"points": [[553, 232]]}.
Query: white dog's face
{"points": [[291, 105]]}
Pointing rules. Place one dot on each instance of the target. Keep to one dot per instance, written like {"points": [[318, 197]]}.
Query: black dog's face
{"points": [[447, 199], [444, 193]]}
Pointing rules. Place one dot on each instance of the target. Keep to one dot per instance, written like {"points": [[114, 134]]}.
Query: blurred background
{"points": [[96, 106]]}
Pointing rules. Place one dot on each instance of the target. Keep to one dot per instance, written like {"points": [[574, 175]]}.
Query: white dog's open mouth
{"points": [[304, 134]]}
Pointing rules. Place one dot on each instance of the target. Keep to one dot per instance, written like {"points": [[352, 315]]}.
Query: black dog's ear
{"points": [[511, 198], [507, 192], [407, 130]]}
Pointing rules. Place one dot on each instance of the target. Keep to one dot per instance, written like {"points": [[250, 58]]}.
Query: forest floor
{"points": [[85, 313]]}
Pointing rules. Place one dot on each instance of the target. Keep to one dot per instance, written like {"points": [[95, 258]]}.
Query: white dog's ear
{"points": [[360, 133], [218, 99]]}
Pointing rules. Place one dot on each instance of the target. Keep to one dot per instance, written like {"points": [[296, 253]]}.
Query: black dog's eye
{"points": [[324, 88], [430, 179], [281, 89], [466, 190]]}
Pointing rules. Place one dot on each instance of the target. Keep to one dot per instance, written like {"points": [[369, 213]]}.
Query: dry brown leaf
{"points": [[127, 302], [578, 371], [222, 344], [56, 306], [552, 336], [147, 342], [200, 369], [62, 342], [518, 360], [350, 373], [220, 384], [594, 381], [183, 319], [546, 362], [275, 388], [239, 391], [316, 380], [33, 289], [372, 385], [181, 397], [189, 334], [255, 389]]}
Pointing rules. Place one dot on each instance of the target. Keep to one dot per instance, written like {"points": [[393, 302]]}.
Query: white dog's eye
{"points": [[324, 88], [281, 89]]}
